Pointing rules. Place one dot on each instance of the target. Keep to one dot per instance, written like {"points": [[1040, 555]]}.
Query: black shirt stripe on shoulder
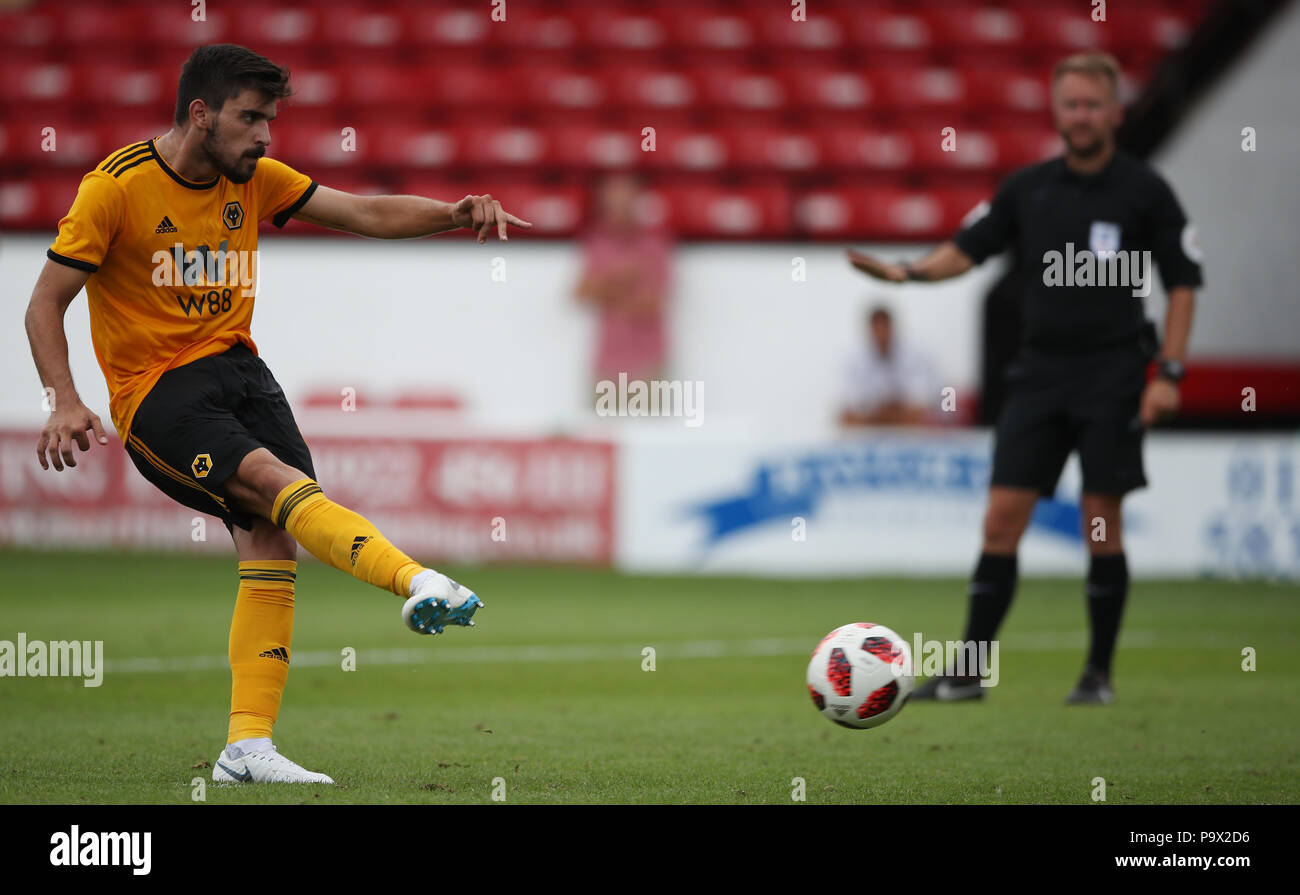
{"points": [[142, 152], [118, 156], [283, 217], [122, 170], [71, 262]]}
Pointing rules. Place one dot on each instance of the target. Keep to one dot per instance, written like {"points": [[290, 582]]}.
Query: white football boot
{"points": [[263, 766], [436, 601]]}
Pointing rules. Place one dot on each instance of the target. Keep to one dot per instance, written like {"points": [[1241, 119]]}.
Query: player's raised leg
{"points": [[992, 586], [1107, 593], [348, 541], [261, 635]]}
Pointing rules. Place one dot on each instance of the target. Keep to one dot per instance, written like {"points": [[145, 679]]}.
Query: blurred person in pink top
{"points": [[626, 275]]}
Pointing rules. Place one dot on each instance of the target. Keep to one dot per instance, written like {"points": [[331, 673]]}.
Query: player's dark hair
{"points": [[220, 72]]}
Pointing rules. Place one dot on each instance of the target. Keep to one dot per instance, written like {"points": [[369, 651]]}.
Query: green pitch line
{"points": [[548, 694]]}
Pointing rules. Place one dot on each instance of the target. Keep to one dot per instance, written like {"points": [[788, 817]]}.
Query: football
{"points": [[860, 675]]}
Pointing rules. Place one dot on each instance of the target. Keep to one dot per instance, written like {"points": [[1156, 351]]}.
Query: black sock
{"points": [[1107, 591], [991, 589]]}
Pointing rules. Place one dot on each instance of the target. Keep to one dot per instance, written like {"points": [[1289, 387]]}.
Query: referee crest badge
{"points": [[1103, 238]]}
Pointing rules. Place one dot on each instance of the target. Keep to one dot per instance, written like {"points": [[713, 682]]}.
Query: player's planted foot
{"points": [[437, 601], [949, 688], [234, 765], [1094, 688]]}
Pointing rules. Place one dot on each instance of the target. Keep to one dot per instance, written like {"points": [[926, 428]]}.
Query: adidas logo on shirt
{"points": [[277, 652], [166, 226]]}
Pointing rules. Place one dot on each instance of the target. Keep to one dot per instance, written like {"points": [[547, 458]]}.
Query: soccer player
{"points": [[1079, 382], [163, 236]]}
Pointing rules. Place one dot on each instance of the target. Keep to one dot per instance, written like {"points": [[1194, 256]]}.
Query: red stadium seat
{"points": [[561, 89], [690, 149], [1013, 90], [357, 27], [416, 146], [990, 29], [627, 31], [1053, 31], [824, 30], [89, 24], [49, 141], [923, 89], [656, 88], [314, 87], [593, 146], [51, 82], [37, 203], [868, 148], [28, 27], [173, 25], [890, 31], [829, 89], [720, 29], [720, 212], [747, 89], [775, 149], [456, 27], [271, 27], [495, 145], [127, 86], [965, 149]]}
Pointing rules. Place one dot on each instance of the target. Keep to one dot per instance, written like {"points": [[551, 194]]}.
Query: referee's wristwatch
{"points": [[1173, 370]]}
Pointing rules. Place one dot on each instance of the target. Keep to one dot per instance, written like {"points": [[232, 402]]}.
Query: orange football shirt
{"points": [[173, 264]]}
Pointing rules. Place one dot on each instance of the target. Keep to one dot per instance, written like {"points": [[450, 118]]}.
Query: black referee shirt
{"points": [[1047, 208]]}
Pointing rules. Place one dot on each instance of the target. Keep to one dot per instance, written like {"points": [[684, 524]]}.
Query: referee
{"points": [[1094, 219]]}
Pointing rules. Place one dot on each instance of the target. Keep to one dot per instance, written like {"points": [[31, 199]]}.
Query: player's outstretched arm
{"points": [[405, 217], [944, 262], [69, 418]]}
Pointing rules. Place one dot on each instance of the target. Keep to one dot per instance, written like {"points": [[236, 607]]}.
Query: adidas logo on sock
{"points": [[357, 543], [277, 652], [166, 226]]}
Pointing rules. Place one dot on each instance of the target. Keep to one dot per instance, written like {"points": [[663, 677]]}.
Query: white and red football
{"points": [[860, 675]]}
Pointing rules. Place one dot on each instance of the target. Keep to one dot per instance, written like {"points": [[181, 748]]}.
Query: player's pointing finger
{"points": [[502, 223]]}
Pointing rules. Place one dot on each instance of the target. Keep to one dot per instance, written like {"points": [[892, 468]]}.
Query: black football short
{"points": [[201, 419], [1058, 403]]}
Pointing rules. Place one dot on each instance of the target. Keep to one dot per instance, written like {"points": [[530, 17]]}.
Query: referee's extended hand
{"points": [[1159, 401], [874, 267], [482, 213], [66, 425]]}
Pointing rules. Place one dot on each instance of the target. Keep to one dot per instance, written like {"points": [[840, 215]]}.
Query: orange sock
{"points": [[260, 634], [342, 538]]}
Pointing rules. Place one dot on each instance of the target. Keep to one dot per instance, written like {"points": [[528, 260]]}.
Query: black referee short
{"points": [[1089, 402], [201, 419]]}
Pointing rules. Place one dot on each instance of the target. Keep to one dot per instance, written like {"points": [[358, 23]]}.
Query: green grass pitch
{"points": [[548, 692]]}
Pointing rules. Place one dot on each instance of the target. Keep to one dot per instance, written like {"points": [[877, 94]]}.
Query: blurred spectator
{"points": [[626, 275], [888, 383]]}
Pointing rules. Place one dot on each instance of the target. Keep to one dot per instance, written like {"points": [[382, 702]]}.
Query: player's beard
{"points": [[236, 172], [1091, 149]]}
